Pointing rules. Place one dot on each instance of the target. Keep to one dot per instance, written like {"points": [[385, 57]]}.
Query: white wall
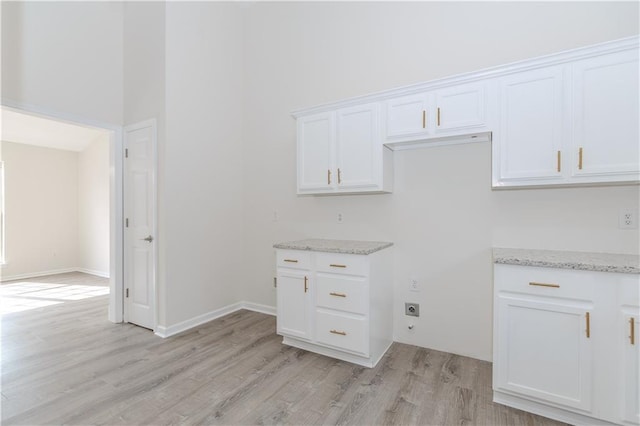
{"points": [[65, 57], [93, 208], [41, 205], [442, 216], [203, 167]]}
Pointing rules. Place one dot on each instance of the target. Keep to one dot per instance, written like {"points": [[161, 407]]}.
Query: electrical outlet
{"points": [[628, 219], [412, 309], [413, 285], [339, 218]]}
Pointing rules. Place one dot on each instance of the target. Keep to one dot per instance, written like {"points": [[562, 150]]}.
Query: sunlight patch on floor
{"points": [[24, 296]]}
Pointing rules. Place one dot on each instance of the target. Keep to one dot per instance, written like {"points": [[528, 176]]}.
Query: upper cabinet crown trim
{"points": [[488, 73]]}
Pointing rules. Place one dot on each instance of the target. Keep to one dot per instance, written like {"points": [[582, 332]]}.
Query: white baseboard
{"points": [[171, 330], [102, 274], [36, 274]]}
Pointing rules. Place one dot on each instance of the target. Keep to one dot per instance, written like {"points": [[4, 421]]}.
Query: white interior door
{"points": [[140, 224]]}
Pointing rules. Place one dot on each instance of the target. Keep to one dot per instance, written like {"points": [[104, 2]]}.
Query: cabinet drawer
{"points": [[342, 332], [296, 259], [350, 264], [343, 293], [546, 281]]}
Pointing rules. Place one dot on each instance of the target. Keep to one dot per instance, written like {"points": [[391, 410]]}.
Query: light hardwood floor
{"points": [[66, 364]]}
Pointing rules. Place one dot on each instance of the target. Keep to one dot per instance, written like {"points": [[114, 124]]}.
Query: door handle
{"points": [[148, 239]]}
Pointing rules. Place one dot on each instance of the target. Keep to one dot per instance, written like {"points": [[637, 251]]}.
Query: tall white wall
{"points": [[203, 167], [93, 208], [442, 216], [64, 57], [41, 209]]}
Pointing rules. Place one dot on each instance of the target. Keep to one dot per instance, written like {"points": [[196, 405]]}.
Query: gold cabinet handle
{"points": [[306, 284], [559, 161], [588, 318], [438, 116], [339, 176], [328, 177], [338, 294], [424, 119], [335, 265], [544, 285], [632, 329], [580, 159], [291, 260], [342, 333]]}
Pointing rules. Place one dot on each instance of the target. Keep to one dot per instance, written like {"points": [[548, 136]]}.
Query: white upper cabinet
{"points": [[573, 123], [315, 143], [458, 109], [530, 133], [341, 152], [605, 120], [406, 116]]}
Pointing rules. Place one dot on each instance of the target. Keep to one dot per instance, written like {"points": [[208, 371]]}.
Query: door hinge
{"points": [[126, 153], [126, 293], [126, 222]]}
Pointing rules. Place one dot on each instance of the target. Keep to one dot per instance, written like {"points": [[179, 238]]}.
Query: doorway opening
{"points": [[41, 130]]}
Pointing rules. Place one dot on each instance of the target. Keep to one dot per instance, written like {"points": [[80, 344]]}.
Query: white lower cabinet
{"points": [[345, 309], [556, 349]]}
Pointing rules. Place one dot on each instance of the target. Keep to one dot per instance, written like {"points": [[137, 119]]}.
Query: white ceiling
{"points": [[31, 130]]}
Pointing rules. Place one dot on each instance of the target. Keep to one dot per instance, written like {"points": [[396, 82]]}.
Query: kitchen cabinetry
{"points": [[562, 345], [294, 281], [628, 326], [341, 152], [447, 111], [575, 123], [344, 307]]}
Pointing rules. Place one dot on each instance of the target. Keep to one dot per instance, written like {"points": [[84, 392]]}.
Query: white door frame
{"points": [[116, 194], [154, 215]]}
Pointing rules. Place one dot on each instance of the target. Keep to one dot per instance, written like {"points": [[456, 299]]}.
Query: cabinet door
{"points": [[407, 116], [605, 125], [544, 351], [629, 335], [294, 303], [460, 107], [315, 144], [359, 148], [527, 147]]}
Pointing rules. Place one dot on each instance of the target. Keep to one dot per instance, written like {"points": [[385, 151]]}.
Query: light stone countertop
{"points": [[586, 261], [335, 246]]}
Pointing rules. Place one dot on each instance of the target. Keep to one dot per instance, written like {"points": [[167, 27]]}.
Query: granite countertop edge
{"points": [[335, 246], [584, 261]]}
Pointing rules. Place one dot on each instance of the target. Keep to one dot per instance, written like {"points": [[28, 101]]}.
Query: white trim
{"points": [[54, 272], [37, 274], [116, 221], [172, 330], [103, 274]]}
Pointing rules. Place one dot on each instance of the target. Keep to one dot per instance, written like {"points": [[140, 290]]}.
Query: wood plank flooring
{"points": [[66, 364]]}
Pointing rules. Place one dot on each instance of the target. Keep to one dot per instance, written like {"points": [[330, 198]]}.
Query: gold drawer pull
{"points": [[291, 260], [424, 119], [342, 333], [632, 326], [438, 116], [338, 294], [559, 161], [306, 284], [588, 318], [335, 265], [328, 177], [544, 285]]}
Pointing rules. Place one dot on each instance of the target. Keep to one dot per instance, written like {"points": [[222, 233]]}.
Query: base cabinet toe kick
{"points": [[336, 304]]}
